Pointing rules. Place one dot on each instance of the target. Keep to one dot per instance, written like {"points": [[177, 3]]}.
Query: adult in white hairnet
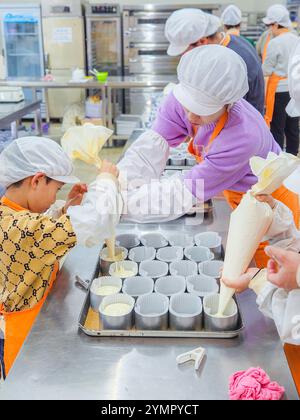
{"points": [[232, 19], [225, 133], [283, 127], [190, 28]]}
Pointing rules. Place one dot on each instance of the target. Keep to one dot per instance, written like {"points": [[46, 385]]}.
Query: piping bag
{"points": [[85, 143], [250, 221]]}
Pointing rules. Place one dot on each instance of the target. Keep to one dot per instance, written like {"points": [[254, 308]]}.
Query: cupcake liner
{"points": [[142, 253], [202, 285], [118, 322], [170, 254], [127, 240], [185, 305], [198, 254], [211, 268], [183, 268], [127, 265], [153, 269], [95, 297], [181, 239], [137, 286], [155, 240], [170, 285], [151, 305], [228, 322]]}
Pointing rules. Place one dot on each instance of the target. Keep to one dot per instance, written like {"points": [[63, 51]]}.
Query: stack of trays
{"points": [[169, 283]]}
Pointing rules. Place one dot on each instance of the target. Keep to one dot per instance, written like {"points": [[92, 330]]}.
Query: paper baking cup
{"points": [[154, 269], [213, 323], [151, 312], [198, 254], [122, 322], [127, 265], [185, 312], [97, 298], [211, 240], [127, 240], [183, 268], [138, 286], [170, 254], [202, 285], [105, 264], [142, 253], [170, 285], [211, 268], [181, 239], [155, 240]]}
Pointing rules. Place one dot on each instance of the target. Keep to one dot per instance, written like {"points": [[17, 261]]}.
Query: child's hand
{"points": [[264, 198], [109, 168], [75, 196], [242, 283], [283, 267]]}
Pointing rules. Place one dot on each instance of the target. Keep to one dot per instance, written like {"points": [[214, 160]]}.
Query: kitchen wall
{"points": [[246, 5]]}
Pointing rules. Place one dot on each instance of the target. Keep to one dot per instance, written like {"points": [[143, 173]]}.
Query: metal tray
{"points": [[89, 323]]}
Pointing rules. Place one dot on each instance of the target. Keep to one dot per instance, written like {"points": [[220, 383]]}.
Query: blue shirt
{"points": [[256, 94]]}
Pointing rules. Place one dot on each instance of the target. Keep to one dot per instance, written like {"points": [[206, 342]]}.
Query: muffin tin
{"points": [[187, 293]]}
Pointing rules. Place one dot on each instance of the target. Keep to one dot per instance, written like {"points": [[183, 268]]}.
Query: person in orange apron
{"points": [[275, 67], [232, 20], [33, 169], [226, 132]]}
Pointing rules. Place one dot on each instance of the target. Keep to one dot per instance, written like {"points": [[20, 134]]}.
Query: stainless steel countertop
{"points": [[59, 362], [12, 112]]}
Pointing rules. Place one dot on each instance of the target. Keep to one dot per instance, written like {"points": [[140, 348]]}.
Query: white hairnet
{"points": [[293, 108], [186, 26], [27, 156], [210, 77], [278, 14], [232, 16]]}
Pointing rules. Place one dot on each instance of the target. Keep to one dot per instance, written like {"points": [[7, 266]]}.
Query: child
{"points": [[33, 170]]}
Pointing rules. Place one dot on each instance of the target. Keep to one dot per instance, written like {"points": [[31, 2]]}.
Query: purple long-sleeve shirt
{"points": [[226, 165]]}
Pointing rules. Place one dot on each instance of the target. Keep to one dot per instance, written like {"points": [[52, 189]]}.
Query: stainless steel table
{"points": [[59, 362], [11, 113]]}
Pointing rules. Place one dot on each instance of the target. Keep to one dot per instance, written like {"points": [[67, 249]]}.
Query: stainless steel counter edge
{"points": [[58, 361]]}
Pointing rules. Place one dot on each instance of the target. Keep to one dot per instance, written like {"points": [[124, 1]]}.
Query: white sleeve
{"points": [[270, 62], [95, 219], [159, 201], [283, 232], [55, 211], [284, 308], [145, 160]]}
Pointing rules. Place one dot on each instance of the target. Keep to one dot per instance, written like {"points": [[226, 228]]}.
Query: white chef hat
{"points": [[232, 16], [210, 77], [293, 108], [278, 14], [186, 26], [27, 156]]}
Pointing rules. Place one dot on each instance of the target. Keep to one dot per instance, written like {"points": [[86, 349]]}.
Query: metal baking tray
{"points": [[89, 323]]}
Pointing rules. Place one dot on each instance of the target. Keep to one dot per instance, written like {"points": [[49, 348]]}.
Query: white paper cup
{"points": [[127, 240], [185, 312], [202, 285], [170, 254], [142, 253], [213, 323], [128, 266], [105, 264], [170, 285], [151, 312], [138, 286], [155, 240], [117, 322], [96, 296], [181, 239], [198, 254], [211, 268], [154, 269], [211, 240], [183, 268]]}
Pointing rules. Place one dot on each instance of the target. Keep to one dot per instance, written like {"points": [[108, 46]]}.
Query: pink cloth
{"points": [[254, 384]]}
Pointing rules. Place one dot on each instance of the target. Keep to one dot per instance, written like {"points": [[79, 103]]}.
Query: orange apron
{"points": [[18, 324], [272, 85]]}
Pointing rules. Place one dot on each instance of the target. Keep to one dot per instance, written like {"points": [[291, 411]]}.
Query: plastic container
{"points": [[96, 296], [226, 323], [202, 285], [198, 254], [170, 285], [170, 254], [142, 253], [183, 268], [211, 240], [127, 240], [105, 264], [122, 321], [125, 266], [102, 76], [151, 312], [181, 239], [185, 312], [138, 286], [211, 268], [154, 269], [177, 160], [155, 240]]}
